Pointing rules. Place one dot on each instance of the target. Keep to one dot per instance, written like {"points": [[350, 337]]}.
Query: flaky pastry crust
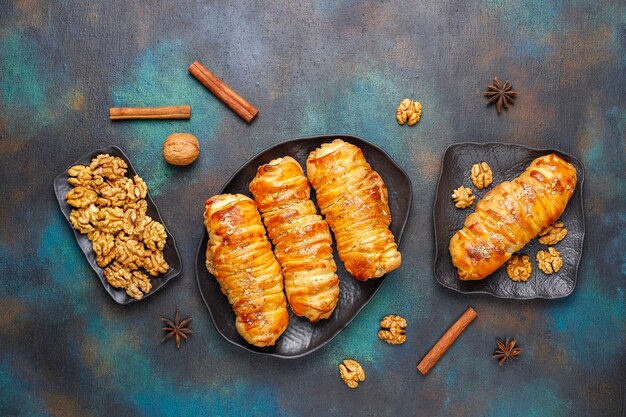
{"points": [[302, 241], [240, 257], [510, 215], [353, 198]]}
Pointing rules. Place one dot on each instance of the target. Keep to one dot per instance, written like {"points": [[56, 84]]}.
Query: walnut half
{"points": [[552, 235], [80, 197], [463, 197], [351, 372], [549, 261], [481, 175], [519, 268], [84, 219], [409, 112], [393, 330], [108, 166]]}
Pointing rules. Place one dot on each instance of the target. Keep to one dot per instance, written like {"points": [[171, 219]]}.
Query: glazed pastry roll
{"points": [[353, 198], [512, 214], [302, 241], [240, 257]]}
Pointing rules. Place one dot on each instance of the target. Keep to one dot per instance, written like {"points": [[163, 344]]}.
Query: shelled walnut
{"points": [[129, 251], [154, 235], [117, 275], [519, 268], [136, 189], [138, 285], [108, 166], [552, 235], [84, 219], [80, 197], [111, 209], [549, 261], [351, 372], [110, 195], [481, 175], [83, 176], [111, 219], [409, 112], [463, 197], [103, 244], [135, 217], [154, 263], [393, 330]]}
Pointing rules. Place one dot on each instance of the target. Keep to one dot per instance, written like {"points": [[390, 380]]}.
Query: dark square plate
{"points": [[170, 252], [506, 162], [303, 337]]}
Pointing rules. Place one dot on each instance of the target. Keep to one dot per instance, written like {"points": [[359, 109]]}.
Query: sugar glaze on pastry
{"points": [[512, 214], [354, 200], [240, 257], [301, 237]]}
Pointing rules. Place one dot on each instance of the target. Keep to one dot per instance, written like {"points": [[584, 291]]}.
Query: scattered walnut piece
{"points": [[108, 166], [549, 261], [393, 330], [154, 235], [103, 246], [409, 112], [81, 197], [351, 372], [481, 175], [463, 197], [84, 219], [519, 268], [552, 235]]}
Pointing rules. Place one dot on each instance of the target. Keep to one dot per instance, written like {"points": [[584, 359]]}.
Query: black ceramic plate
{"points": [[170, 252], [302, 337], [507, 162]]}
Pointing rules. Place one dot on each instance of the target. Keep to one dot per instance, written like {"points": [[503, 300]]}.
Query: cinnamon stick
{"points": [[446, 341], [167, 112], [233, 100]]}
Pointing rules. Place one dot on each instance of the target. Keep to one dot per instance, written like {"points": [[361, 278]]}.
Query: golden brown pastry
{"points": [[510, 215], [354, 200], [241, 259], [302, 241]]}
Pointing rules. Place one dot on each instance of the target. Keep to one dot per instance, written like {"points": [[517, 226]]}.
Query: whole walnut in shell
{"points": [[181, 149]]}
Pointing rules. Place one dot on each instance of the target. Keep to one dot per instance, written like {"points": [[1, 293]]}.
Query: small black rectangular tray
{"points": [[170, 252]]}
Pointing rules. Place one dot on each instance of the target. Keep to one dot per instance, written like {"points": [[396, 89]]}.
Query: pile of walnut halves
{"points": [[110, 209]]}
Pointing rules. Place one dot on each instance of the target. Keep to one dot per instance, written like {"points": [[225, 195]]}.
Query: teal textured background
{"points": [[317, 67]]}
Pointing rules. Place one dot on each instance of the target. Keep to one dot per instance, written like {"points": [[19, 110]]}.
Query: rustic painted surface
{"points": [[315, 67]]}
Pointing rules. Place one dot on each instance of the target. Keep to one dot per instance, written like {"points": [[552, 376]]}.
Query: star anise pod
{"points": [[501, 95], [506, 351], [176, 329]]}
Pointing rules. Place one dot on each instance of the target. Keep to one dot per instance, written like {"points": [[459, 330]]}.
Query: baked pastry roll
{"points": [[353, 198], [241, 259], [302, 241], [510, 215]]}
